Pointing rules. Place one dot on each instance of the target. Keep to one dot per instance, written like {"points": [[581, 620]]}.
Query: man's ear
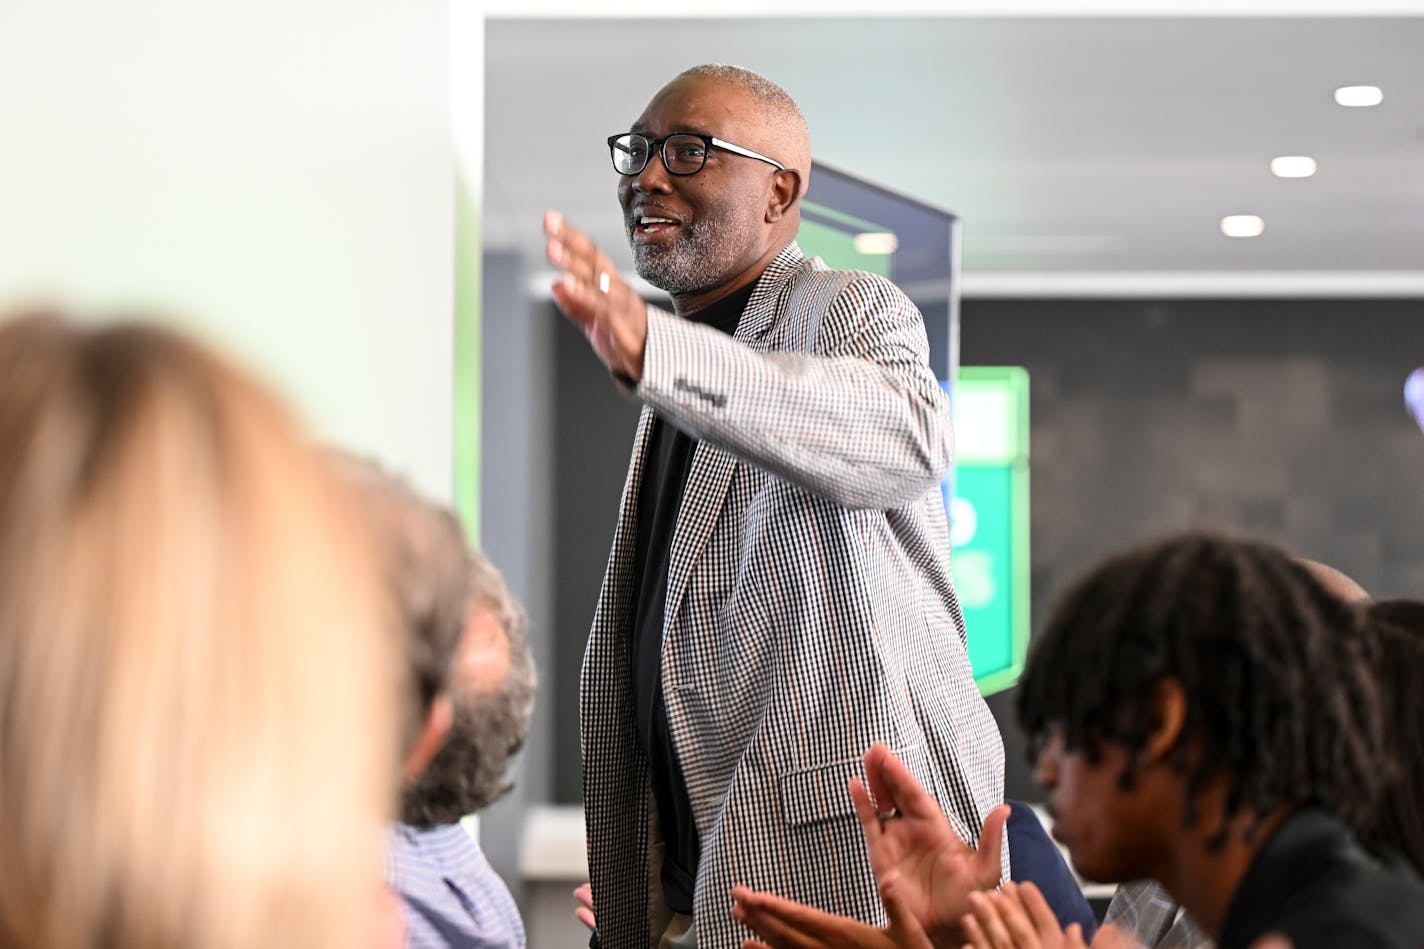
{"points": [[1168, 718], [785, 191], [432, 736]]}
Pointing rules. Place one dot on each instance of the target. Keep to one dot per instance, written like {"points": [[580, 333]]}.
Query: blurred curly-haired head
{"points": [[1281, 699]]}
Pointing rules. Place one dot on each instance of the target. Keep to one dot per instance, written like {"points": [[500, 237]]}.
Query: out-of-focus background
{"points": [[348, 196]]}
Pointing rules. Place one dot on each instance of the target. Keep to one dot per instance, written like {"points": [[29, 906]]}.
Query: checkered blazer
{"points": [[809, 606]]}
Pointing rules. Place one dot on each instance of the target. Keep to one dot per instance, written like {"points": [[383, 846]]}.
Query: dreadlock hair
{"points": [[1280, 694], [1398, 626]]}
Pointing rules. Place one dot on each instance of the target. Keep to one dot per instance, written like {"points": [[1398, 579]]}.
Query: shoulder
{"points": [[1358, 901], [836, 306], [850, 287]]}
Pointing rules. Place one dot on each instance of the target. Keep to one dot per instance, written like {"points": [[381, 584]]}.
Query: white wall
{"points": [[279, 174]]}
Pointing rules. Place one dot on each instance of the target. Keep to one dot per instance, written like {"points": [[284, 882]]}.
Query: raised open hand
{"points": [[596, 299], [937, 869]]}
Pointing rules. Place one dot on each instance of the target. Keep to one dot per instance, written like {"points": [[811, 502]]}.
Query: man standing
{"points": [[778, 595]]}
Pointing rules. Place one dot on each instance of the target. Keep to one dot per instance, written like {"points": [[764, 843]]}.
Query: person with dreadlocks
{"points": [[1207, 714], [1142, 907]]}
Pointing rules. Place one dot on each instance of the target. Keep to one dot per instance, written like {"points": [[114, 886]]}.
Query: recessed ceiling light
{"points": [[1242, 225], [1293, 166], [1358, 96], [876, 242]]}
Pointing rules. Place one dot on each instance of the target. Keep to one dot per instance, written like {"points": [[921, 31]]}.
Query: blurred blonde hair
{"points": [[198, 677]]}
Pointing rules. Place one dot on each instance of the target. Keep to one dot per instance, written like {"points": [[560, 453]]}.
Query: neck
{"points": [[1204, 880], [686, 304]]}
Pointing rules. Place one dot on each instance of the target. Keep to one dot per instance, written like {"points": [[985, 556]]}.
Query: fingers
{"points": [[865, 810], [905, 928], [985, 912], [894, 785], [1110, 936], [585, 270], [1023, 928], [764, 915], [584, 912], [1031, 898], [572, 251], [783, 924], [594, 297], [874, 762], [974, 933], [584, 895]]}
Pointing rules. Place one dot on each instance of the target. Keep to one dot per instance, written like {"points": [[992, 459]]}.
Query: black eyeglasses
{"points": [[683, 153]]}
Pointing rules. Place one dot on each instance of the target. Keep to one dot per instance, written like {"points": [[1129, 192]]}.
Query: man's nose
{"points": [[654, 176]]}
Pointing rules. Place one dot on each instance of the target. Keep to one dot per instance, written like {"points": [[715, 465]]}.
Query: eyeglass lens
{"points": [[682, 154]]}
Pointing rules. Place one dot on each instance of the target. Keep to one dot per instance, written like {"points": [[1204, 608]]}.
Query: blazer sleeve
{"points": [[853, 414]]}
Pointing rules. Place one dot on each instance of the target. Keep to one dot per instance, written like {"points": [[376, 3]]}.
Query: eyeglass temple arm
{"points": [[746, 152]]}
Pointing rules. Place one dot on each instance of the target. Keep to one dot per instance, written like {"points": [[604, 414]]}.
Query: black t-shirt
{"points": [[669, 459], [1315, 884]]}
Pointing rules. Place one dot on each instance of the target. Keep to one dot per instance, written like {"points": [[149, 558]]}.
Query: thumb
{"points": [[908, 932], [991, 842]]}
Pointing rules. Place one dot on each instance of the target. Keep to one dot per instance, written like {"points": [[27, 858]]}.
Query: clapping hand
{"points": [[783, 924], [1018, 917], [938, 869]]}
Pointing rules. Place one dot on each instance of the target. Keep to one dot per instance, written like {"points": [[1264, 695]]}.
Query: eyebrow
{"points": [[643, 130]]}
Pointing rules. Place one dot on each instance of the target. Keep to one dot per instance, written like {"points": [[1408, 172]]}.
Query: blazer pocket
{"points": [[820, 793]]}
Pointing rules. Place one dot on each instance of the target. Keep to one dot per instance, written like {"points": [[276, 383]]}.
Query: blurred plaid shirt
{"points": [[1147, 912], [450, 893]]}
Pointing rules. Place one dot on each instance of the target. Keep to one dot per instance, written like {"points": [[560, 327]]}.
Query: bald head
{"points": [[782, 129], [1338, 584]]}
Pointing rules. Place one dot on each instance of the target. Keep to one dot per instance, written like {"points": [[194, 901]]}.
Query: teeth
{"points": [[644, 222]]}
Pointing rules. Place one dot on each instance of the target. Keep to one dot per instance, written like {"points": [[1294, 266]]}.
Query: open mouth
{"points": [[652, 227]]}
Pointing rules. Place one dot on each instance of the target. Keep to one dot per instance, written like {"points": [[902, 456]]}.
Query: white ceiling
{"points": [[1076, 150]]}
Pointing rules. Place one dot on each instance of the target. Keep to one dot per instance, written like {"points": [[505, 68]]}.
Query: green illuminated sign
{"points": [[989, 527]]}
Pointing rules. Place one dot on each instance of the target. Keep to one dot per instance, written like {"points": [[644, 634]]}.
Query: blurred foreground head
{"points": [[492, 684], [198, 683]]}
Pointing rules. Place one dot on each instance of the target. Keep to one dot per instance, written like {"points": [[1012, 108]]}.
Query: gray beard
{"points": [[471, 770], [702, 256]]}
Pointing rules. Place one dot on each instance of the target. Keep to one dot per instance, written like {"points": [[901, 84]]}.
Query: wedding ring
{"points": [[603, 283], [891, 814]]}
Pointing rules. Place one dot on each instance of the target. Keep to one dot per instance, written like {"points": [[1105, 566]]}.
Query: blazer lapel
{"points": [[761, 312], [712, 468], [702, 499]]}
